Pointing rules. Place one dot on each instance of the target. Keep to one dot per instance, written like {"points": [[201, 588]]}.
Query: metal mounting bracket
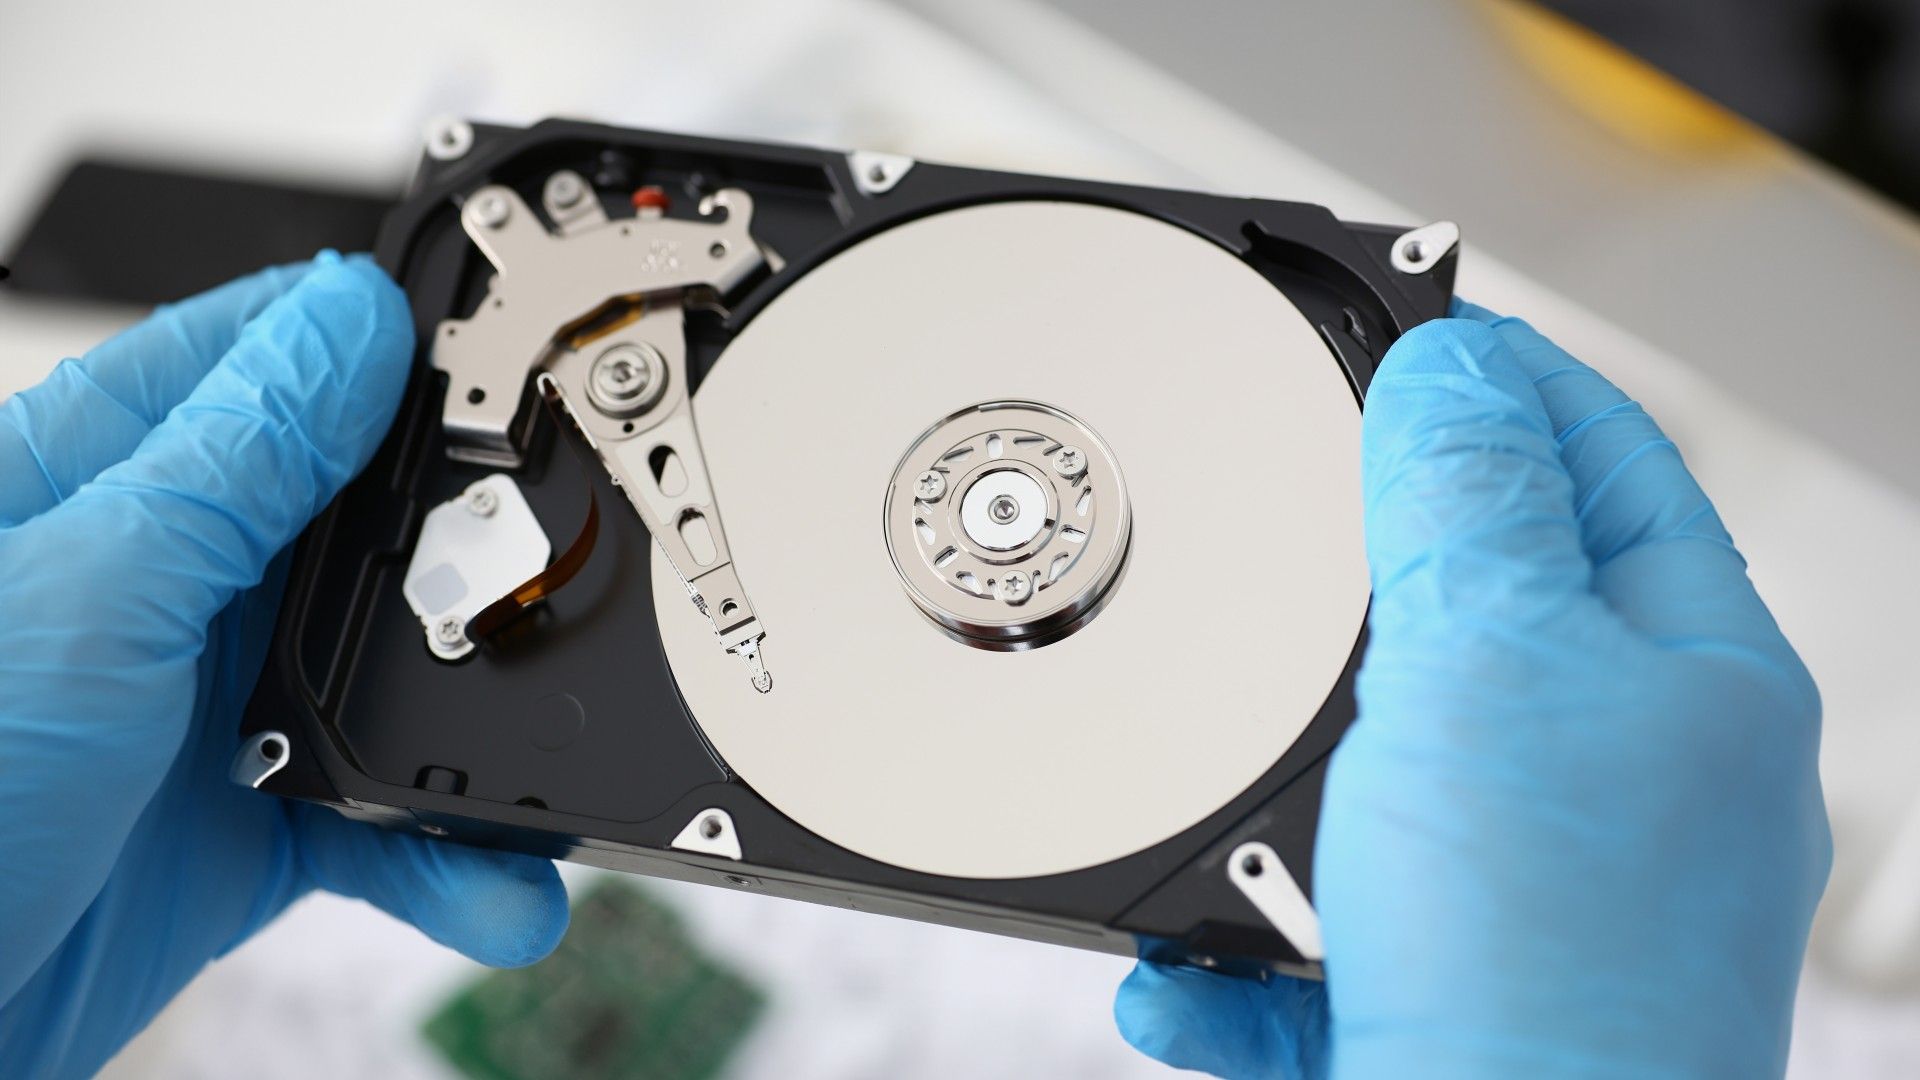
{"points": [[258, 758], [1417, 251], [876, 173], [1262, 878], [710, 832]]}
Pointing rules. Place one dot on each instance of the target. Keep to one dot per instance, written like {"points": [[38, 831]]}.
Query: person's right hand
{"points": [[1577, 829]]}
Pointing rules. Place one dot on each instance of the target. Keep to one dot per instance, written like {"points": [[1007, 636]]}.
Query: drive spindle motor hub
{"points": [[1008, 522]]}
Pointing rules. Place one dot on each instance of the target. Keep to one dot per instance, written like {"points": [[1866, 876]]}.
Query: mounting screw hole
{"points": [[718, 250], [1253, 866], [476, 395], [710, 827], [433, 830], [272, 749], [627, 427], [736, 879]]}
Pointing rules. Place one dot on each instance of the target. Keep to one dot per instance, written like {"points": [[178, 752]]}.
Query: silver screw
{"points": [[1003, 509], [1070, 462], [930, 486], [627, 379], [622, 378], [492, 210], [482, 502], [1413, 251], [1015, 588], [877, 173], [565, 189], [449, 139], [451, 630], [434, 830]]}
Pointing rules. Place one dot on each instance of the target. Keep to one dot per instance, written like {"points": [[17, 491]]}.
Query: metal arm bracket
{"points": [[594, 312]]}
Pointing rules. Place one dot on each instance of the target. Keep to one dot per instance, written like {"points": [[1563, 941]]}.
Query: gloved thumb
{"points": [[1469, 509], [500, 908], [261, 445]]}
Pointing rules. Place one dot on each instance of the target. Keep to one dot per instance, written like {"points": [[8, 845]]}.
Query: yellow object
{"points": [[1627, 95]]}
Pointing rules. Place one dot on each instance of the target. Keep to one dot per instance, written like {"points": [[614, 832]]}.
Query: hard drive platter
{"points": [[1019, 516], [1243, 590]]}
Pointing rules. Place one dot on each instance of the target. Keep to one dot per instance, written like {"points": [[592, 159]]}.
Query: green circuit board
{"points": [[627, 996]]}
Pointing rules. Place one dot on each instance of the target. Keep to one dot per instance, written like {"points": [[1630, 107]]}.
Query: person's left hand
{"points": [[1577, 826], [144, 494]]}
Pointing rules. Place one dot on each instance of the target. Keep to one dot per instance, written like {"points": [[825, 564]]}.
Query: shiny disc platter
{"points": [[1244, 585]]}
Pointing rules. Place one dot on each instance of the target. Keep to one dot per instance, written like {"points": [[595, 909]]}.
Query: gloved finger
{"points": [[497, 907], [1224, 1026], [103, 623], [1469, 511], [92, 413], [1630, 485], [272, 432], [1663, 559]]}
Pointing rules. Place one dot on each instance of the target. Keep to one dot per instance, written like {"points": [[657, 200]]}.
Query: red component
{"points": [[650, 197]]}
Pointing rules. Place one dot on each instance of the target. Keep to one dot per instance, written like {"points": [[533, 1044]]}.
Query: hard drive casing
{"points": [[491, 751]]}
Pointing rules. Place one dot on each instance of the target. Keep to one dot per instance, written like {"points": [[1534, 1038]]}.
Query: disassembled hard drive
{"points": [[1020, 519]]}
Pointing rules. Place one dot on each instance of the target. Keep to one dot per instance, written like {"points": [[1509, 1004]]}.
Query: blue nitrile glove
{"points": [[1577, 829], [144, 493]]}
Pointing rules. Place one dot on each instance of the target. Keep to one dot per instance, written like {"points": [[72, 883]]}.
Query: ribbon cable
{"points": [[505, 610]]}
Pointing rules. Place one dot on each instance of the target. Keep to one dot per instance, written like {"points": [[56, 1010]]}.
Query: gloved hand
{"points": [[1577, 828], [144, 493]]}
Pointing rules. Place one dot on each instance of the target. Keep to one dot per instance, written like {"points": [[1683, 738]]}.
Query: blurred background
{"points": [[1714, 202]]}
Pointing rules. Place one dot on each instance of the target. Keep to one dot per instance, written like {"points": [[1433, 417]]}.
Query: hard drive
{"points": [[966, 546]]}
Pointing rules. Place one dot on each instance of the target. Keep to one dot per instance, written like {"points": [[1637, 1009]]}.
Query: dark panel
{"points": [[147, 234]]}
